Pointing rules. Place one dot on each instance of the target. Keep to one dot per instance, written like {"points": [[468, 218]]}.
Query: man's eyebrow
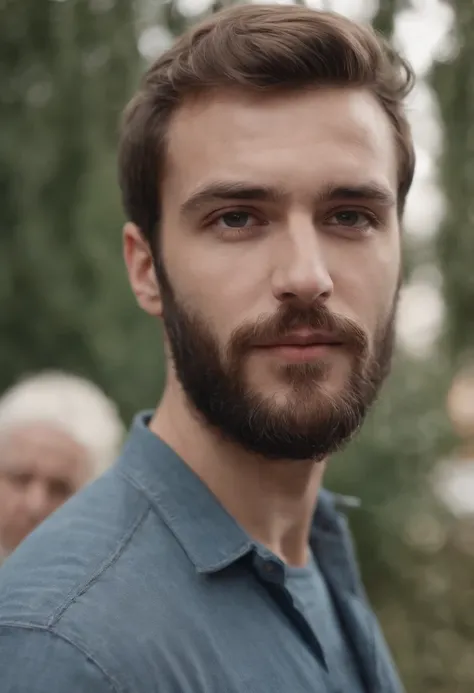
{"points": [[370, 191], [222, 190], [240, 190]]}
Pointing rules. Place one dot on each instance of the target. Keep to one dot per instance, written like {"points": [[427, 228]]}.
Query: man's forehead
{"points": [[233, 133], [21, 444], [248, 112]]}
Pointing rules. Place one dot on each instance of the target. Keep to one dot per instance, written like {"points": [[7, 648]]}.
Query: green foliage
{"points": [[384, 19], [454, 83], [67, 69]]}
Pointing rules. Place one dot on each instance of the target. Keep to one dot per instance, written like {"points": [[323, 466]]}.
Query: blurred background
{"points": [[67, 67]]}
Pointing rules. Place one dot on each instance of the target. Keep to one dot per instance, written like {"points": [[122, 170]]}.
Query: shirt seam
{"points": [[77, 592], [111, 681], [154, 507], [153, 499]]}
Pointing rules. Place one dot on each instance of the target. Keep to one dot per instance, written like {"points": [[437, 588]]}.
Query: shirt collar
{"points": [[210, 537]]}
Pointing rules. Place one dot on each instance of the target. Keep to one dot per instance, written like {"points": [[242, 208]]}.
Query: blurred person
{"points": [[57, 433], [264, 164]]}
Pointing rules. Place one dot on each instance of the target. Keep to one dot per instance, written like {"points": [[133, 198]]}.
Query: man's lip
{"points": [[303, 340]]}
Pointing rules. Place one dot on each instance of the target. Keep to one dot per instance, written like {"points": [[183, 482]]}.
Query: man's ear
{"points": [[141, 270]]}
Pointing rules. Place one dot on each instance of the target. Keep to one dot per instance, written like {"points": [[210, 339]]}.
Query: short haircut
{"points": [[262, 48], [75, 406]]}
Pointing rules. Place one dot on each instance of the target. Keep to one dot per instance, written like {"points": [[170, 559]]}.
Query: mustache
{"points": [[291, 318]]}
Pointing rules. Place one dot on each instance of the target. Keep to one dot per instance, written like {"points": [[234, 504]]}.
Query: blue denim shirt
{"points": [[143, 583]]}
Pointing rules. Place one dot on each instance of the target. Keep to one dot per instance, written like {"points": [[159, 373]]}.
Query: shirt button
{"points": [[271, 571]]}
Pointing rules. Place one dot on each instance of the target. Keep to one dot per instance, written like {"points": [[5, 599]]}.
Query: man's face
{"points": [[280, 264], [40, 468]]}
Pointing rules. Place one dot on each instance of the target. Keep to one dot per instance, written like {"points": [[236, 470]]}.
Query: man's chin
{"points": [[303, 397], [294, 414]]}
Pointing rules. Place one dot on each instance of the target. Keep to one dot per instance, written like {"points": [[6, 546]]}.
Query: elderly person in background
{"points": [[57, 433]]}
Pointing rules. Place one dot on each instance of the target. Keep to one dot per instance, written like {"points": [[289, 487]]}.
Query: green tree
{"points": [[385, 16], [454, 84], [67, 69]]}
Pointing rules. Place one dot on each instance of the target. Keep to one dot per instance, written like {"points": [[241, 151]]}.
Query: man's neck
{"points": [[273, 501]]}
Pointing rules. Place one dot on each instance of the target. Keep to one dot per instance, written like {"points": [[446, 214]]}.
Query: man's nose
{"points": [[37, 500], [302, 274]]}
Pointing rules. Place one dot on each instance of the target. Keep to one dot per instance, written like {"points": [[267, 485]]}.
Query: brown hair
{"points": [[259, 47]]}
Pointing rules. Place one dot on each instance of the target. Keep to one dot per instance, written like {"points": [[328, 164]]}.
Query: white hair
{"points": [[74, 405]]}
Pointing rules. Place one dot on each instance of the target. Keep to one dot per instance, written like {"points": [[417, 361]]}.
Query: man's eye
{"points": [[352, 218], [60, 489], [236, 220], [20, 480]]}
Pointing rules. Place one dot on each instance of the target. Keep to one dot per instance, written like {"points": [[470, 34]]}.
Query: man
{"points": [[264, 165], [57, 433]]}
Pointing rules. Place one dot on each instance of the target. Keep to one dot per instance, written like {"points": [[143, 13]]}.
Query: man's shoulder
{"points": [[35, 659], [91, 588], [95, 538]]}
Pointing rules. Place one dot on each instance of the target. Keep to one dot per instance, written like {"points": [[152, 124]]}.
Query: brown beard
{"points": [[311, 424]]}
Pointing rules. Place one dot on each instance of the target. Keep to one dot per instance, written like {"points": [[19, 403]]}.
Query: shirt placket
{"points": [[271, 573]]}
